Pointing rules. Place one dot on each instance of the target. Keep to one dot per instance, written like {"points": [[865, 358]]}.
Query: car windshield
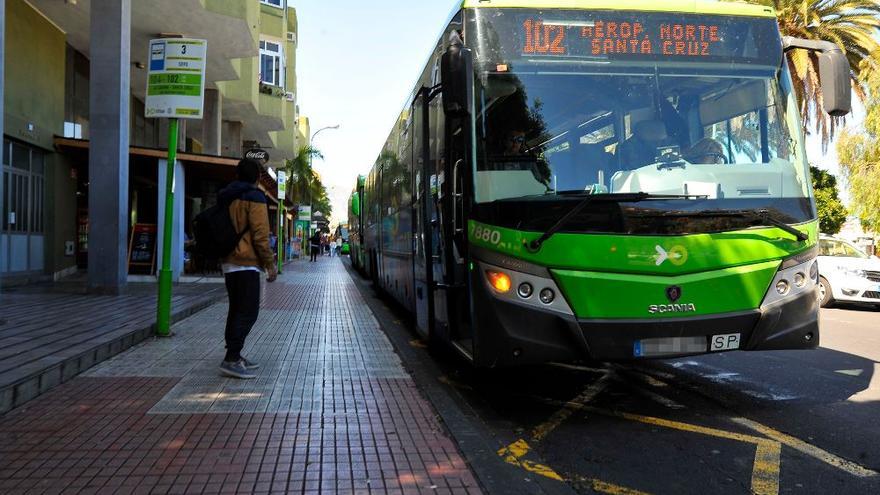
{"points": [[727, 132], [839, 248]]}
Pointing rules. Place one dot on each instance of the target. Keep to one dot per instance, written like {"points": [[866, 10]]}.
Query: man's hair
{"points": [[248, 171]]}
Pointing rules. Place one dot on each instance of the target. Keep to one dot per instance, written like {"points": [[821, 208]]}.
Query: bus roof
{"points": [[751, 8]]}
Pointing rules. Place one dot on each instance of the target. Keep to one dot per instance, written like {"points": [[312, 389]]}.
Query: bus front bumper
{"points": [[516, 335]]}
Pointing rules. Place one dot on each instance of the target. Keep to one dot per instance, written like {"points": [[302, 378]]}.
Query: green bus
{"points": [[355, 224], [602, 179]]}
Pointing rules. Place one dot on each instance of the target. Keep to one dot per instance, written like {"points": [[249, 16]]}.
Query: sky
{"points": [[357, 62]]}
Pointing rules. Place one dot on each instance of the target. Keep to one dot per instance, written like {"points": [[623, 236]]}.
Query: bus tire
{"points": [[826, 298]]}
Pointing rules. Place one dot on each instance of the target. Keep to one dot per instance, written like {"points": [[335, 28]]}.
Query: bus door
{"points": [[438, 197], [423, 206]]}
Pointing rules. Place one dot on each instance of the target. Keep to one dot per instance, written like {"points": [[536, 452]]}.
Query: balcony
{"points": [[228, 25]]}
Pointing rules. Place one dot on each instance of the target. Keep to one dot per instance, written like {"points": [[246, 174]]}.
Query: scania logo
{"points": [[672, 308], [673, 293]]}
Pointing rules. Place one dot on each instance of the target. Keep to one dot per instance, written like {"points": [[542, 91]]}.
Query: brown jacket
{"points": [[249, 209]]}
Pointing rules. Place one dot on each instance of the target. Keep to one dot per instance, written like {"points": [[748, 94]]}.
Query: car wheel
{"points": [[825, 296]]}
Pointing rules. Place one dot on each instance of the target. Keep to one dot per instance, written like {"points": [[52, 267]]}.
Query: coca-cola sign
{"points": [[259, 155]]}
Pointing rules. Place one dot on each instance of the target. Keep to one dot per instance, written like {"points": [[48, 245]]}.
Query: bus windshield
{"points": [[597, 102]]}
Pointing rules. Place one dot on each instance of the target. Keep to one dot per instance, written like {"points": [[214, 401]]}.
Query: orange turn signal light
{"points": [[500, 281]]}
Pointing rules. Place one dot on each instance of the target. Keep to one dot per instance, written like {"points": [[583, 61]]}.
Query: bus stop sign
{"points": [[176, 78]]}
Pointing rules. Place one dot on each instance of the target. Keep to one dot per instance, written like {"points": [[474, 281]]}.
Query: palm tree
{"points": [[851, 24], [303, 183]]}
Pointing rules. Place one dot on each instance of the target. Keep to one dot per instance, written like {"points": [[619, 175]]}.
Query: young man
{"points": [[242, 268]]}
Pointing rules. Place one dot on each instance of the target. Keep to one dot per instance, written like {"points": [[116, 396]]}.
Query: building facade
{"points": [[48, 193]]}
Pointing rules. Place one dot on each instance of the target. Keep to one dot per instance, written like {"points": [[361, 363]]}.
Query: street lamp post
{"points": [[312, 140]]}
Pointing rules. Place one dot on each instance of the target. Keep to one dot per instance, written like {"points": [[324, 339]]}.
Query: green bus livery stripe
{"points": [[614, 295], [188, 79], [640, 254], [607, 276]]}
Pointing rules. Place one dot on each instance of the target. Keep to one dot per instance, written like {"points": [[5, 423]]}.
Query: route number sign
{"points": [[176, 78]]}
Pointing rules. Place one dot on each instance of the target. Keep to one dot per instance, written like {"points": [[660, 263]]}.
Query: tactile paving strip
{"points": [[317, 342]]}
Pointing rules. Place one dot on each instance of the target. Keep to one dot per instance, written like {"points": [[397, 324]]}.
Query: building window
{"points": [[22, 226], [274, 3], [271, 66], [23, 187]]}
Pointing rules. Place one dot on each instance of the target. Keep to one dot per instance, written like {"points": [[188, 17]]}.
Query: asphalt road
{"points": [[732, 423]]}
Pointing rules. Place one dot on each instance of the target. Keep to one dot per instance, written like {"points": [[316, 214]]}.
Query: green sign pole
{"points": [[279, 245], [163, 315]]}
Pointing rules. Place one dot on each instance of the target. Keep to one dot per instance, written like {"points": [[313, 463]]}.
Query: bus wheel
{"points": [[826, 298]]}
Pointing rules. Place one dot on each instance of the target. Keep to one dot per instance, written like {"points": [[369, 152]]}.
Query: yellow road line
{"points": [[605, 487], [676, 425], [765, 473], [576, 404], [514, 453], [805, 448], [612, 489], [650, 380], [577, 367], [808, 449]]}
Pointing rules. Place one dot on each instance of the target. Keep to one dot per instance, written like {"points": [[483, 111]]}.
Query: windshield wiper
{"points": [[761, 214], [535, 245]]}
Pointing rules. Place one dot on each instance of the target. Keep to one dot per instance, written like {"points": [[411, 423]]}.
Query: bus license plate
{"points": [[724, 342]]}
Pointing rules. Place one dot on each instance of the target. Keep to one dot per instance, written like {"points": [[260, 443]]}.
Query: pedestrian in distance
{"points": [[332, 248], [314, 246], [243, 268]]}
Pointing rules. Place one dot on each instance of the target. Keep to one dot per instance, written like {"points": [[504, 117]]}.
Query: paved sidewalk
{"points": [[50, 333], [333, 410]]}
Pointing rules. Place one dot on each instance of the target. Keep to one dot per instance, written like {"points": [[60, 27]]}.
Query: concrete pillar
{"points": [[177, 236], [110, 88], [231, 139], [212, 122]]}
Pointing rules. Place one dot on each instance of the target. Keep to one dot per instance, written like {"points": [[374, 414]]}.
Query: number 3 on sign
{"points": [[487, 235]]}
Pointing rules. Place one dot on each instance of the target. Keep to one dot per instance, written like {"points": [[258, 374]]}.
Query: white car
{"points": [[847, 274]]}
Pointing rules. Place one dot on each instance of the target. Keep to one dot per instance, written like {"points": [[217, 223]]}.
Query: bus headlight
{"points": [[792, 281], [500, 281], [782, 287]]}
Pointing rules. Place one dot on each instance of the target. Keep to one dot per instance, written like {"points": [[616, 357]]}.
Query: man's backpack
{"points": [[215, 234]]}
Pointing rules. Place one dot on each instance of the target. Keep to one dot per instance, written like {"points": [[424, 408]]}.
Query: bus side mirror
{"points": [[456, 78], [834, 73]]}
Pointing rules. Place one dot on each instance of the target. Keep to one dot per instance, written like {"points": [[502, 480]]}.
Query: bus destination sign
{"points": [[538, 36], [602, 38]]}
